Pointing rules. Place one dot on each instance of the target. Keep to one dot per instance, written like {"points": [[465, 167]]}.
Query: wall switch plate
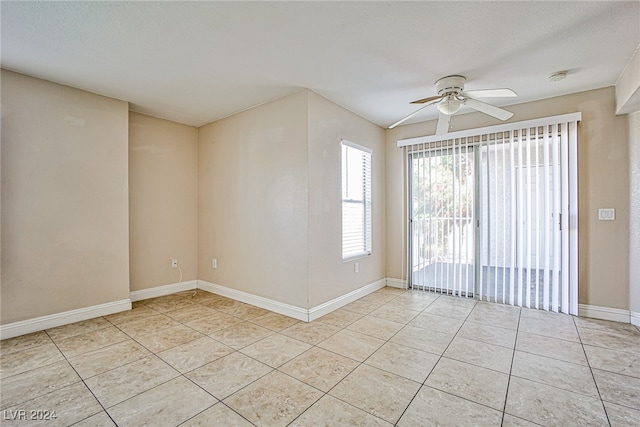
{"points": [[608, 214], [214, 263], [356, 267], [174, 263]]}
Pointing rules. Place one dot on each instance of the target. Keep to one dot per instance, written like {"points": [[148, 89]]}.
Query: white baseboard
{"points": [[160, 291], [334, 304], [396, 283], [604, 313], [266, 303], [53, 320], [635, 318], [303, 314]]}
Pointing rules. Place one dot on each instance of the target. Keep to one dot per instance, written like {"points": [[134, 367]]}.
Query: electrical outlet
{"points": [[356, 267], [607, 214], [214, 263], [174, 263]]}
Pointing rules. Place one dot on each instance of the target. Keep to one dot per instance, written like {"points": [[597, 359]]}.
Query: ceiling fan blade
{"points": [[423, 100], [489, 109], [443, 124], [490, 93], [411, 115]]}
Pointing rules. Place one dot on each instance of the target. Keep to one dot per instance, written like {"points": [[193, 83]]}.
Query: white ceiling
{"points": [[196, 62]]}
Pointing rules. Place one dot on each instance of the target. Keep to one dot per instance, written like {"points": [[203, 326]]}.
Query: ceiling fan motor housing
{"points": [[450, 84]]}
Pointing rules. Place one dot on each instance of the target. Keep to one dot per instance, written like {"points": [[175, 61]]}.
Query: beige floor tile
{"points": [[218, 415], [241, 334], [80, 344], [62, 407], [274, 400], [311, 333], [488, 334], [352, 344], [168, 404], [117, 385], [275, 350], [200, 296], [24, 342], [405, 361], [620, 362], [107, 358], [228, 374], [194, 354], [622, 416], [168, 338], [340, 318], [36, 382], [603, 325], [245, 311], [480, 354], [565, 375], [448, 310], [550, 382], [393, 314], [101, 419], [329, 412], [433, 407], [470, 382], [147, 325], [376, 327], [437, 323], [511, 421], [619, 389], [423, 339], [414, 304], [501, 316], [551, 406], [560, 327], [274, 321], [567, 351], [376, 392], [214, 322], [190, 313], [619, 340], [136, 313], [169, 303], [319, 368], [362, 307], [221, 303], [78, 328], [31, 358]]}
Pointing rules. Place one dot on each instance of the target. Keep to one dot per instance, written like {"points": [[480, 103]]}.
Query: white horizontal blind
{"points": [[356, 200], [526, 210]]}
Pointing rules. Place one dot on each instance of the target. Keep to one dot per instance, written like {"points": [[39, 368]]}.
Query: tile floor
{"points": [[394, 357]]}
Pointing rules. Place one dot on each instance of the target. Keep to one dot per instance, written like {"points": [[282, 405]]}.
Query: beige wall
{"points": [[634, 209], [253, 201], [329, 276], [603, 176], [163, 201], [65, 226]]}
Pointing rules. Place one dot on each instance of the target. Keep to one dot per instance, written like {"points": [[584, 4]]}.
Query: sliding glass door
{"points": [[494, 216]]}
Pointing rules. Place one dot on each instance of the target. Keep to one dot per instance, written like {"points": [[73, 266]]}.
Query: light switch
{"points": [[608, 214]]}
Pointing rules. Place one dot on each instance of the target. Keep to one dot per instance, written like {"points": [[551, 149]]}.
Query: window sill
{"points": [[356, 256]]}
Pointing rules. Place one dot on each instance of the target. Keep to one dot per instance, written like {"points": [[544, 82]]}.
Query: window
{"points": [[356, 200]]}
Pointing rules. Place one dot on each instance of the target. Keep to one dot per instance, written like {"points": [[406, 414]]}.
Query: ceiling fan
{"points": [[451, 96]]}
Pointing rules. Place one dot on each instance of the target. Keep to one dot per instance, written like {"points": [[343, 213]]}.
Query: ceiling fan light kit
{"points": [[451, 96]]}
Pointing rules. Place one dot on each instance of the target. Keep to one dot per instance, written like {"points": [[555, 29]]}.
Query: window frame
{"points": [[365, 226]]}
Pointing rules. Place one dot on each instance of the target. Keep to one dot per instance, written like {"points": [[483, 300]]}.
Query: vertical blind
{"points": [[493, 213], [356, 200]]}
